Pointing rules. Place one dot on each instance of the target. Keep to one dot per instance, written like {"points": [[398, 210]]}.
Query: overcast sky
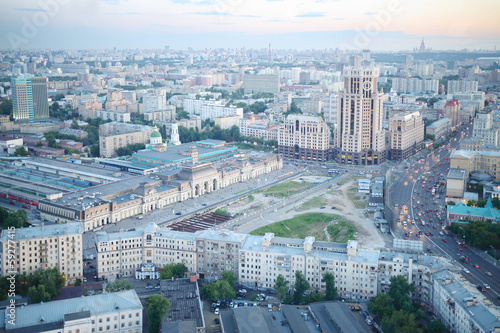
{"points": [[290, 24]]}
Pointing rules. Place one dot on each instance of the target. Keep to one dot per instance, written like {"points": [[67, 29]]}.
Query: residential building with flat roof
{"points": [[261, 83], [455, 183], [486, 161], [119, 312], [118, 135], [440, 128], [50, 246], [304, 138], [406, 135]]}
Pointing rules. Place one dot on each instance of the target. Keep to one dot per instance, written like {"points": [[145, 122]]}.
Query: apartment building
{"points": [[458, 86], [406, 135], [259, 128], [193, 106], [414, 86], [210, 111], [258, 260], [218, 251], [154, 101], [477, 161], [359, 137], [118, 135], [46, 246], [261, 83], [29, 99], [304, 138], [452, 111], [118, 312], [485, 130], [460, 307], [440, 128], [227, 122], [122, 117]]}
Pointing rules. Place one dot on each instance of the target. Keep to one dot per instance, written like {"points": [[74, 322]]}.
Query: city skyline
{"points": [[286, 24]]}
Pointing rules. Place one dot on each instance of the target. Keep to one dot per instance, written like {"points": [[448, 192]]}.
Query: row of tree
{"points": [[222, 289], [480, 234], [300, 288], [42, 285], [13, 218], [396, 311], [130, 149]]}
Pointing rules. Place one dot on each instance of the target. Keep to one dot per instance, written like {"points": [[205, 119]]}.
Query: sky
{"points": [[379, 25]]}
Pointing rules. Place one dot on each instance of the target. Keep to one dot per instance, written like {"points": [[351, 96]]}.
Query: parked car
{"points": [[216, 311], [149, 286]]}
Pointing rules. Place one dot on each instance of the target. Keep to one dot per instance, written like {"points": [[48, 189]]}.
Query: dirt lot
{"points": [[367, 234]]}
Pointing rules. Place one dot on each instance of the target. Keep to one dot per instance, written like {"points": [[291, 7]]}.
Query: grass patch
{"points": [[313, 203], [250, 198], [241, 192], [356, 199], [223, 212], [286, 189], [301, 226], [347, 180], [341, 231]]}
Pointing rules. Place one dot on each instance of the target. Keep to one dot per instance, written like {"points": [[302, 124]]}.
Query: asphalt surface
{"points": [[420, 206]]}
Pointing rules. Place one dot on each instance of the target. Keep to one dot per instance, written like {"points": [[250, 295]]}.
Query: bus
{"points": [[333, 171]]}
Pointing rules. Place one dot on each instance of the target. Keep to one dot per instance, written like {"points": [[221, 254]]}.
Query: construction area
{"points": [[200, 222]]}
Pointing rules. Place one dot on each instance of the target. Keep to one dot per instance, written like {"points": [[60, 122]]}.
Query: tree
{"points": [[281, 287], [157, 307], [312, 298], [38, 144], [225, 290], [44, 284], [6, 107], [400, 321], [38, 294], [74, 124], [436, 326], [400, 291], [229, 277], [173, 270], [21, 151], [78, 282], [381, 305], [301, 285], [331, 290], [118, 285]]}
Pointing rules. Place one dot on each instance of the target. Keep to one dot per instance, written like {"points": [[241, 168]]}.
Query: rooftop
{"points": [[185, 301], [43, 231], [336, 317], [469, 153], [455, 173], [56, 311]]}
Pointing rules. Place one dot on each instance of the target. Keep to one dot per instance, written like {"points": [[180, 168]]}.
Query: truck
{"points": [[433, 192]]}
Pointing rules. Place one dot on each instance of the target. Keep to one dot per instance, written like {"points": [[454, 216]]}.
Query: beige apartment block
{"points": [[47, 246], [118, 135], [304, 138], [481, 161], [406, 135]]}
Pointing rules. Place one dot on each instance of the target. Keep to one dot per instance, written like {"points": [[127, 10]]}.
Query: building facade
{"points": [[406, 135], [30, 99], [304, 138], [439, 128], [414, 86], [452, 111], [118, 135], [477, 161], [485, 130], [50, 246], [112, 202], [117, 312], [359, 137], [458, 86], [261, 83]]}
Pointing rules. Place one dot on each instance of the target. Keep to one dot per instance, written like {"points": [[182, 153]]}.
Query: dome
{"points": [[156, 134]]}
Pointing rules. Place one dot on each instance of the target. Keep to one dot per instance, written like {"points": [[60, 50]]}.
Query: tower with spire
{"points": [[422, 47]]}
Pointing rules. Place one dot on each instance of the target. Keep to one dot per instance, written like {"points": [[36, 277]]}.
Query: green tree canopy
{"points": [[400, 291], [173, 270], [156, 307], [331, 290], [301, 285], [229, 277]]}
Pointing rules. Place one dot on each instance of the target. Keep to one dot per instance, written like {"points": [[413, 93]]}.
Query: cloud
{"points": [[194, 2], [221, 23], [255, 16], [210, 13], [273, 0], [312, 14], [31, 10], [275, 20], [371, 13], [128, 13]]}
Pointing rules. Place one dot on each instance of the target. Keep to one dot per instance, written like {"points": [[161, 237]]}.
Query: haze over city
{"points": [[378, 25]]}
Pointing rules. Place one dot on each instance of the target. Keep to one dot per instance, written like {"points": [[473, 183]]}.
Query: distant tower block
{"points": [[366, 55], [174, 136]]}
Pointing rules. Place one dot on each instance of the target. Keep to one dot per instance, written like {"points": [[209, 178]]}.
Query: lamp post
{"points": [[463, 234]]}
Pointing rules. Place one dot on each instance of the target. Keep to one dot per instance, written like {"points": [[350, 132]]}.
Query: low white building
{"points": [[119, 312]]}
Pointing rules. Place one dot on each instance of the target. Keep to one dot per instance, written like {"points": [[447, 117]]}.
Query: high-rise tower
{"points": [[359, 137], [30, 99]]}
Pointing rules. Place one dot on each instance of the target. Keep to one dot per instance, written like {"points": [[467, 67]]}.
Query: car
{"points": [[149, 286], [488, 273], [322, 207], [476, 265], [84, 279], [460, 249], [333, 207], [429, 250], [466, 271], [91, 266], [480, 287], [178, 213], [445, 240], [157, 286], [242, 291], [487, 286], [216, 312], [217, 321]]}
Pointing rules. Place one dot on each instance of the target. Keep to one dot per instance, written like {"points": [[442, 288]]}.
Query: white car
{"points": [[216, 311], [466, 271]]}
